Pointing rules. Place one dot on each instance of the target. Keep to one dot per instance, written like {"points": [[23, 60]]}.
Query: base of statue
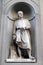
{"points": [[21, 60]]}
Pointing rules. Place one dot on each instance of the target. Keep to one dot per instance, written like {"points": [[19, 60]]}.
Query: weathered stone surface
{"points": [[39, 29]]}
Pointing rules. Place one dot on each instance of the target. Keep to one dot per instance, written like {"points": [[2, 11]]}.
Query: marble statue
{"points": [[21, 33]]}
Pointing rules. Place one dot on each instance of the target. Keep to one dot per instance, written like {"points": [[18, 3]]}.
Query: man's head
{"points": [[20, 14]]}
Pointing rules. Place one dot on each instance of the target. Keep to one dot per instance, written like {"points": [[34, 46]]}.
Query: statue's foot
{"points": [[20, 58], [31, 57]]}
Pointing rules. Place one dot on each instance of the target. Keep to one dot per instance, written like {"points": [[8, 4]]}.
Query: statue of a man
{"points": [[22, 34]]}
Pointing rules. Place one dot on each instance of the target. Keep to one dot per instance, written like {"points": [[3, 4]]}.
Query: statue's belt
{"points": [[22, 29]]}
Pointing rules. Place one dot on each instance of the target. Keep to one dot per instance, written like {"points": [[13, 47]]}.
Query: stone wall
{"points": [[39, 26]]}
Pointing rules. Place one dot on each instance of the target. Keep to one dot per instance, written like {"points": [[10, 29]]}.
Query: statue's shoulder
{"points": [[16, 20], [26, 19]]}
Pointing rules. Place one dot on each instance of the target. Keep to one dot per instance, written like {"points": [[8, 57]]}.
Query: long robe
{"points": [[21, 30]]}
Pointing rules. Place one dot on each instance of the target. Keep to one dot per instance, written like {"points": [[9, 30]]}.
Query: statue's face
{"points": [[20, 14]]}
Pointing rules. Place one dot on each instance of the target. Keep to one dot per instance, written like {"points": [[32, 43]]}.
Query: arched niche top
{"points": [[22, 6]]}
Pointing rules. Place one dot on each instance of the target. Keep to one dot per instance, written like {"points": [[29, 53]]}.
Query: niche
{"points": [[29, 13]]}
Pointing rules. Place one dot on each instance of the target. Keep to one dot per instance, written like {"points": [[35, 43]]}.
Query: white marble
{"points": [[20, 60]]}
